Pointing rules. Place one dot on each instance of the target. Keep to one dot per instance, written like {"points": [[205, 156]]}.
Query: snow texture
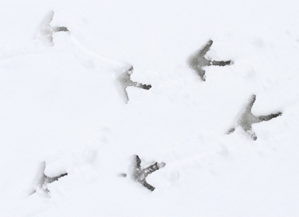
{"points": [[71, 104]]}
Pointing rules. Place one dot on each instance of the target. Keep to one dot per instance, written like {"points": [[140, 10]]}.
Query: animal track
{"points": [[198, 61], [247, 119], [46, 30], [139, 175], [45, 180], [125, 80]]}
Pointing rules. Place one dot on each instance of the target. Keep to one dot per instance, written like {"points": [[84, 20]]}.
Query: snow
{"points": [[60, 108]]}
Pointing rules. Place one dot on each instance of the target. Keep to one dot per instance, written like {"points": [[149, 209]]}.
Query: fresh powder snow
{"points": [[103, 114]]}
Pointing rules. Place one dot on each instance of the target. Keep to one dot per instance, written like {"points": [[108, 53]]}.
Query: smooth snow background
{"points": [[60, 104]]}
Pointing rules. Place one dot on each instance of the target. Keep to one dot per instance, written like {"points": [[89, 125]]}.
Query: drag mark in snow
{"points": [[198, 61], [247, 119], [43, 37], [46, 32]]}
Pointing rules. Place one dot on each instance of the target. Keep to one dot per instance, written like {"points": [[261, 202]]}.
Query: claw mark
{"points": [[140, 175], [125, 80], [46, 30], [198, 61], [60, 29], [247, 119]]}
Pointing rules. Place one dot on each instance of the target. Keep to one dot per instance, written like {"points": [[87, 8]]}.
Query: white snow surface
{"points": [[60, 105]]}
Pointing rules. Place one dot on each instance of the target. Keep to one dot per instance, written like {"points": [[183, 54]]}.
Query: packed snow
{"points": [[87, 86]]}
